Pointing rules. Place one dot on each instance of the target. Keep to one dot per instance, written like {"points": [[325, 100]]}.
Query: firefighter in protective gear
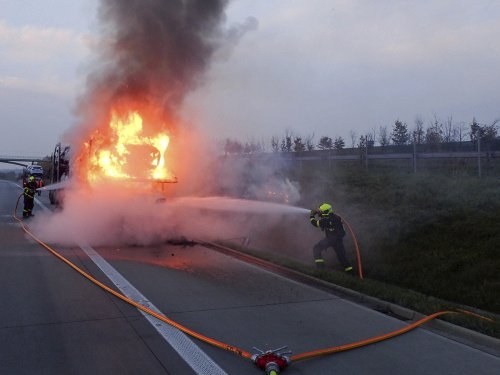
{"points": [[331, 224], [29, 196]]}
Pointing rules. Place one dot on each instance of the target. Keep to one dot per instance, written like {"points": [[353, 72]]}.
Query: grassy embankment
{"points": [[429, 241]]}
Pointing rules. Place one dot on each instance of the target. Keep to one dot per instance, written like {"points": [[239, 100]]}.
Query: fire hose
{"points": [[271, 361], [356, 247]]}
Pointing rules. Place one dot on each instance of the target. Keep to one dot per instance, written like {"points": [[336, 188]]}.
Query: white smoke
{"points": [[112, 216]]}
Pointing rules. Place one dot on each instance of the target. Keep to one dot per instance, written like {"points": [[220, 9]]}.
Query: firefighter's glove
{"points": [[313, 213]]}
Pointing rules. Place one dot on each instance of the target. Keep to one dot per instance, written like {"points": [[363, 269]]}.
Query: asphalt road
{"points": [[53, 321]]}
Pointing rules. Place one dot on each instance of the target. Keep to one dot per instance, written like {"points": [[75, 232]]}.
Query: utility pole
{"points": [[366, 152], [479, 155], [414, 155], [57, 157]]}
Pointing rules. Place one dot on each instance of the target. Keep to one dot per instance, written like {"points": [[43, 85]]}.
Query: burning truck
{"points": [[145, 60], [119, 151]]}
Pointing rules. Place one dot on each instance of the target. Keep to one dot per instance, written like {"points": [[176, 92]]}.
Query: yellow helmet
{"points": [[325, 209], [32, 178]]}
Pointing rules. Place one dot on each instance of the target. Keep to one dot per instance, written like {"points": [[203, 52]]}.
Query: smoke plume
{"points": [[149, 51]]}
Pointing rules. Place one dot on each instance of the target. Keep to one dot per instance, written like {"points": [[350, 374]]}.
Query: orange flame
{"points": [[125, 152]]}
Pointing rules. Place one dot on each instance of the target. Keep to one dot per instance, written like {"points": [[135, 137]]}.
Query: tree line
{"points": [[436, 131]]}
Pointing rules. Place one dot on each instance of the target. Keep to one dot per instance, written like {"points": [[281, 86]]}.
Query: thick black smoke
{"points": [[150, 50]]}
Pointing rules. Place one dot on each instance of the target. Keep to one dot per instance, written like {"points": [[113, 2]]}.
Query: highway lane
{"points": [[244, 306], [217, 295], [54, 322]]}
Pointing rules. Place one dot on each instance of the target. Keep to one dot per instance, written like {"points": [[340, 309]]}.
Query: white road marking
{"points": [[196, 358]]}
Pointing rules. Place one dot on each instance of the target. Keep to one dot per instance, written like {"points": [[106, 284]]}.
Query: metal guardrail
{"points": [[22, 158], [365, 157], [427, 155]]}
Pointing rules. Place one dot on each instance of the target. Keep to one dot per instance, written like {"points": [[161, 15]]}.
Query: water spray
{"points": [[257, 207], [236, 205]]}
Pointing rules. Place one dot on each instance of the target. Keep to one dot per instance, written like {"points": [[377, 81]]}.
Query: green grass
{"points": [[425, 238], [439, 235]]}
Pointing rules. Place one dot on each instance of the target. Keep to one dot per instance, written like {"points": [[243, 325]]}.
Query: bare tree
{"points": [[495, 123], [310, 143], [373, 135], [275, 144], [298, 144], [418, 131], [384, 138], [461, 130], [370, 139], [259, 145], [448, 130], [263, 144], [353, 136], [434, 132], [476, 130], [362, 142], [286, 141]]}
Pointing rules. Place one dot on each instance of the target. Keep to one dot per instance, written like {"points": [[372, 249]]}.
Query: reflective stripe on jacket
{"points": [[331, 225]]}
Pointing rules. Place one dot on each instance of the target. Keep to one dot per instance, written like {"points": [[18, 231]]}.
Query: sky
{"points": [[310, 68]]}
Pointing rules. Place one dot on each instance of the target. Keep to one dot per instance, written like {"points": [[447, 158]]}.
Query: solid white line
{"points": [[196, 358]]}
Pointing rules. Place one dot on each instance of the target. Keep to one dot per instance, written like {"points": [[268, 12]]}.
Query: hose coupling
{"points": [[272, 361]]}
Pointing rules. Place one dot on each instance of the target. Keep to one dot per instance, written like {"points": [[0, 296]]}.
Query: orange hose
{"points": [[358, 253], [236, 350], [163, 318], [358, 344]]}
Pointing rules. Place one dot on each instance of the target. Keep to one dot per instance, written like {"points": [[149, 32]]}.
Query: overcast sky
{"points": [[321, 67]]}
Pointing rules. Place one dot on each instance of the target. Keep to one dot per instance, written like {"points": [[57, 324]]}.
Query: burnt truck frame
{"points": [[60, 172]]}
